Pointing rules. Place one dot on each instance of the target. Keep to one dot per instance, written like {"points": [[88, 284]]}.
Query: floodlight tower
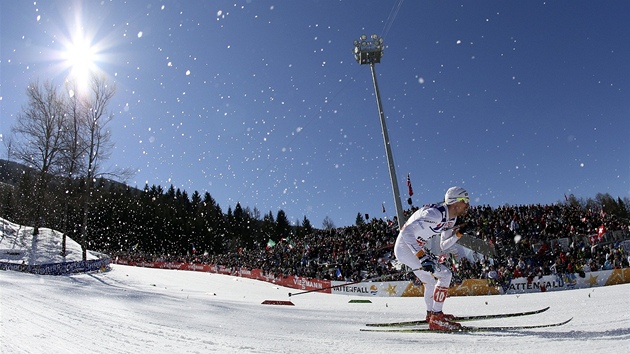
{"points": [[370, 52]]}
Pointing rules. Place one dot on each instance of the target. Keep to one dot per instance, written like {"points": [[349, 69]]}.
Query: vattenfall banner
{"points": [[473, 287]]}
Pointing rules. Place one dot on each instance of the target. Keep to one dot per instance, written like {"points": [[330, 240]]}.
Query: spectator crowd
{"points": [[529, 241]]}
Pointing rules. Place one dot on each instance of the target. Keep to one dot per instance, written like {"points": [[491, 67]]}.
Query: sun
{"points": [[80, 47], [82, 44], [80, 56]]}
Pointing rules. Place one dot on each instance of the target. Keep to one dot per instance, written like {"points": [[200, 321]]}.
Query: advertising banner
{"points": [[469, 287]]}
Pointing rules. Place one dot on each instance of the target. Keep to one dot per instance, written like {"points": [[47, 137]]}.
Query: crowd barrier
{"points": [[258, 274], [474, 287], [470, 287], [63, 268]]}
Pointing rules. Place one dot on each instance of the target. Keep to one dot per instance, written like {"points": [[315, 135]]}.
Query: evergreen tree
{"points": [[305, 228], [283, 227], [624, 213], [8, 209], [359, 220]]}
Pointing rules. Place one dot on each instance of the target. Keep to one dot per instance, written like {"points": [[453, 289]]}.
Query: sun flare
{"points": [[80, 57], [81, 48]]}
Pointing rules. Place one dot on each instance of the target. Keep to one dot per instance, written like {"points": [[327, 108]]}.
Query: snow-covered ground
{"points": [[141, 310], [18, 245]]}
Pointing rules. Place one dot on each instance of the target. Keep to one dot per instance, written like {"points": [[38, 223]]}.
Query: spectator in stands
{"points": [[493, 276], [365, 251]]}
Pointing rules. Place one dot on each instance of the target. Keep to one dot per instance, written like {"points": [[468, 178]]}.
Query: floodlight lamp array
{"points": [[368, 51]]}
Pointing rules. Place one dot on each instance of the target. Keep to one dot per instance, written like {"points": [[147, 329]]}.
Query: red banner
{"points": [[293, 282]]}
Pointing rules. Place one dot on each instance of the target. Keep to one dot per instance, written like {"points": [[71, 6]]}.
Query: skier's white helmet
{"points": [[456, 194]]}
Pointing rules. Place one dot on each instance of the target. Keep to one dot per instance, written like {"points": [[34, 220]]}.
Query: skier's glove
{"points": [[428, 265], [461, 229]]}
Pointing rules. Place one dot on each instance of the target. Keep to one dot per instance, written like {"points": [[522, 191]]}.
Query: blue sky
{"points": [[262, 102]]}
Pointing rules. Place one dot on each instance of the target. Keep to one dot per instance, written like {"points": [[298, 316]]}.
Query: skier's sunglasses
{"points": [[465, 200]]}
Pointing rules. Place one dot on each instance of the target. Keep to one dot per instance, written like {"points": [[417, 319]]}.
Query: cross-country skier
{"points": [[410, 249]]}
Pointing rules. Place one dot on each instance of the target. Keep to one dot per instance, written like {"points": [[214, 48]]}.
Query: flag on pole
{"points": [[288, 242], [270, 244], [601, 231], [409, 185]]}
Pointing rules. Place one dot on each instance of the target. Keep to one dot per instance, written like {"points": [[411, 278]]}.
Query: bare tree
{"points": [[328, 223], [98, 142], [74, 149], [39, 129], [66, 134], [8, 146]]}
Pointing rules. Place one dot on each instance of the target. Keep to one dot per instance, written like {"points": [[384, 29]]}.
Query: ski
{"points": [[459, 318], [469, 329]]}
